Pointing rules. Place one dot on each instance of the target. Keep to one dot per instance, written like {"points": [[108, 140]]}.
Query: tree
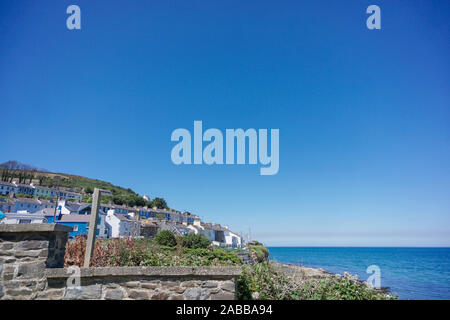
{"points": [[159, 203], [140, 202], [166, 238], [196, 241]]}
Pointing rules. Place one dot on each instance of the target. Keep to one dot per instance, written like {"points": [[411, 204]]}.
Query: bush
{"points": [[166, 238], [263, 281], [195, 241], [258, 251], [209, 257]]}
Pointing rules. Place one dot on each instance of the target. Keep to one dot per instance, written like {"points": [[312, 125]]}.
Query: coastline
{"points": [[301, 273]]}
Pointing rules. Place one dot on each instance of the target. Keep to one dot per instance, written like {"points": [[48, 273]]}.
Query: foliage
{"points": [[166, 238], [268, 283], [258, 251], [159, 203], [195, 241], [145, 252]]}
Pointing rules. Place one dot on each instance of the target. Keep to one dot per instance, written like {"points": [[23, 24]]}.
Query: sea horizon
{"points": [[295, 246], [417, 273]]}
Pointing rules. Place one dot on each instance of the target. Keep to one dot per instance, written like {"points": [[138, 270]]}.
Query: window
{"points": [[25, 221], [75, 227]]}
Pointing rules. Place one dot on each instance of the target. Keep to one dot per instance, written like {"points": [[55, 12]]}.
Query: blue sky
{"points": [[363, 114]]}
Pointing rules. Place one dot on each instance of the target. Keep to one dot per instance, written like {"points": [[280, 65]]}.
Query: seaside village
{"points": [[23, 203]]}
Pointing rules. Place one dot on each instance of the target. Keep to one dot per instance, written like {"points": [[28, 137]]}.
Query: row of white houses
{"points": [[7, 188], [113, 221]]}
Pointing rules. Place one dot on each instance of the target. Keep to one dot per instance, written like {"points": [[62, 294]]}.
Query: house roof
{"points": [[76, 207], [28, 200], [23, 185], [124, 217], [218, 227], [4, 183], [75, 218], [46, 211], [146, 223]]}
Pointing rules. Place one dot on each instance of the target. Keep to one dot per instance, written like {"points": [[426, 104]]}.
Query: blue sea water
{"points": [[412, 273]]}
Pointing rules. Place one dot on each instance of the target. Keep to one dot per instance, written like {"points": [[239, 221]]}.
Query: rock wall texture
{"points": [[143, 283], [26, 250], [32, 257]]}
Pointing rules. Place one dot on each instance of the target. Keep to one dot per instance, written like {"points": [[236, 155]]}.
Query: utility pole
{"points": [[57, 199], [56, 207], [92, 228]]}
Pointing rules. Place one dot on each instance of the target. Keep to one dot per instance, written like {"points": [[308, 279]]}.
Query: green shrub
{"points": [[269, 283], [209, 257], [261, 252], [195, 241], [166, 238]]}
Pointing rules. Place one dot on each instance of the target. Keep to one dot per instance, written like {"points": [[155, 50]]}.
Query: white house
{"points": [[122, 225], [41, 191], [206, 230], [232, 239], [67, 207]]}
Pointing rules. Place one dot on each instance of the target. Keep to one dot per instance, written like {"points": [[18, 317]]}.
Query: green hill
{"points": [[14, 170]]}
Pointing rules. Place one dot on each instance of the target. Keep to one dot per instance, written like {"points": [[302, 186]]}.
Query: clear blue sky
{"points": [[364, 116]]}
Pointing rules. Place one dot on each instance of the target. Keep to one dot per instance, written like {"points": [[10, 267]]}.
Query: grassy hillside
{"points": [[13, 170]]}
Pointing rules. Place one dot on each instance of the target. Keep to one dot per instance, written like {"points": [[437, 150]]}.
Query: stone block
{"points": [[132, 284], [32, 245], [210, 284], [31, 270], [114, 294], [196, 294], [223, 296], [6, 246], [228, 286], [138, 294], [55, 294], [84, 292], [149, 285], [160, 296], [31, 253]]}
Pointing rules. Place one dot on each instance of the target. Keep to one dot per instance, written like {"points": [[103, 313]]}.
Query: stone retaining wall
{"points": [[32, 257], [144, 283], [26, 250]]}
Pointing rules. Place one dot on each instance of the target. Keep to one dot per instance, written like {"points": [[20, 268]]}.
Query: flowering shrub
{"points": [[145, 252]]}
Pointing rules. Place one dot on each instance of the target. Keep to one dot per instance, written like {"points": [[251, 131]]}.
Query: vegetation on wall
{"points": [[258, 251], [146, 252]]}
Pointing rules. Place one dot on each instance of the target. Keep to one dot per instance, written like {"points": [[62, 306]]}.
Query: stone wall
{"points": [[26, 250], [31, 267], [144, 283]]}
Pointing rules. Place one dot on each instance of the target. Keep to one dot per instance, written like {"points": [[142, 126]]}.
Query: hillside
{"points": [[23, 173]]}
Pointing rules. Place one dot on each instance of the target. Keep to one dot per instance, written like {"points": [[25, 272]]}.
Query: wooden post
{"points": [[92, 228]]}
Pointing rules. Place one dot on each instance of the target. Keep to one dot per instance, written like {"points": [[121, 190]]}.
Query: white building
{"points": [[232, 239], [122, 225], [19, 218]]}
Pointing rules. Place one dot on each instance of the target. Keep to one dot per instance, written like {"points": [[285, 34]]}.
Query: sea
{"points": [[411, 273]]}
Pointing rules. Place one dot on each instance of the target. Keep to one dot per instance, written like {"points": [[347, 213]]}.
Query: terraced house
{"points": [[7, 188]]}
